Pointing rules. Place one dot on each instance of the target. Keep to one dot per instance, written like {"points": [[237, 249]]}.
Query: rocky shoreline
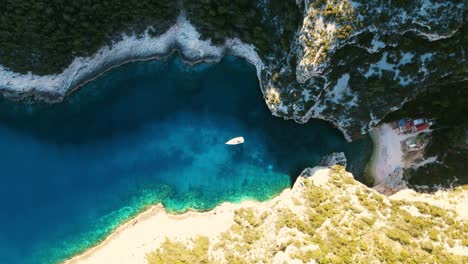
{"points": [[181, 38]]}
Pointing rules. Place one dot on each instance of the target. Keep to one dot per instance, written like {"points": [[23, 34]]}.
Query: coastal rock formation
{"points": [[328, 217], [336, 158]]}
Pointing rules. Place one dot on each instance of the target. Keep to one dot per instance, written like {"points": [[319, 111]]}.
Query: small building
{"points": [[418, 125], [418, 121]]}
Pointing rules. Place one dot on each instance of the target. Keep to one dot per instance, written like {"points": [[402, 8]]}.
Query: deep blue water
{"points": [[143, 133]]}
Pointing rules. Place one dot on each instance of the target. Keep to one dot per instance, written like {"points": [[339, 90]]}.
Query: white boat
{"points": [[235, 141]]}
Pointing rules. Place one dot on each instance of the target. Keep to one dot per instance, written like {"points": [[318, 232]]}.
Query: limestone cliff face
{"points": [[328, 216]]}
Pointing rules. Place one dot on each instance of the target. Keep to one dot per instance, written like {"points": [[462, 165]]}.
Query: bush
{"points": [[176, 252], [45, 36], [398, 235]]}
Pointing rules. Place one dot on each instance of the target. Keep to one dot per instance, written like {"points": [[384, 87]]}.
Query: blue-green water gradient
{"points": [[144, 133]]}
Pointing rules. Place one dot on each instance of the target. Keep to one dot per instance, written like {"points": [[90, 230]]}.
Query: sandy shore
{"points": [[388, 156], [133, 240], [143, 234], [388, 161]]}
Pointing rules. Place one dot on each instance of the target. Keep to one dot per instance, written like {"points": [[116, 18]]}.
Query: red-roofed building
{"points": [[418, 125]]}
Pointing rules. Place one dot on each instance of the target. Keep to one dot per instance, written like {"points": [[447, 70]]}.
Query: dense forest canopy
{"points": [[243, 19], [44, 36]]}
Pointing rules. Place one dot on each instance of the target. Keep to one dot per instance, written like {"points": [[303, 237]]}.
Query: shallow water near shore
{"points": [[143, 133]]}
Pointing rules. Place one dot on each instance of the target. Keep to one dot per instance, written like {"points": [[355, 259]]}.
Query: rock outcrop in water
{"points": [[336, 158]]}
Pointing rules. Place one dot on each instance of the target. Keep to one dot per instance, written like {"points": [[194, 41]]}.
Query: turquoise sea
{"points": [[144, 133]]}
